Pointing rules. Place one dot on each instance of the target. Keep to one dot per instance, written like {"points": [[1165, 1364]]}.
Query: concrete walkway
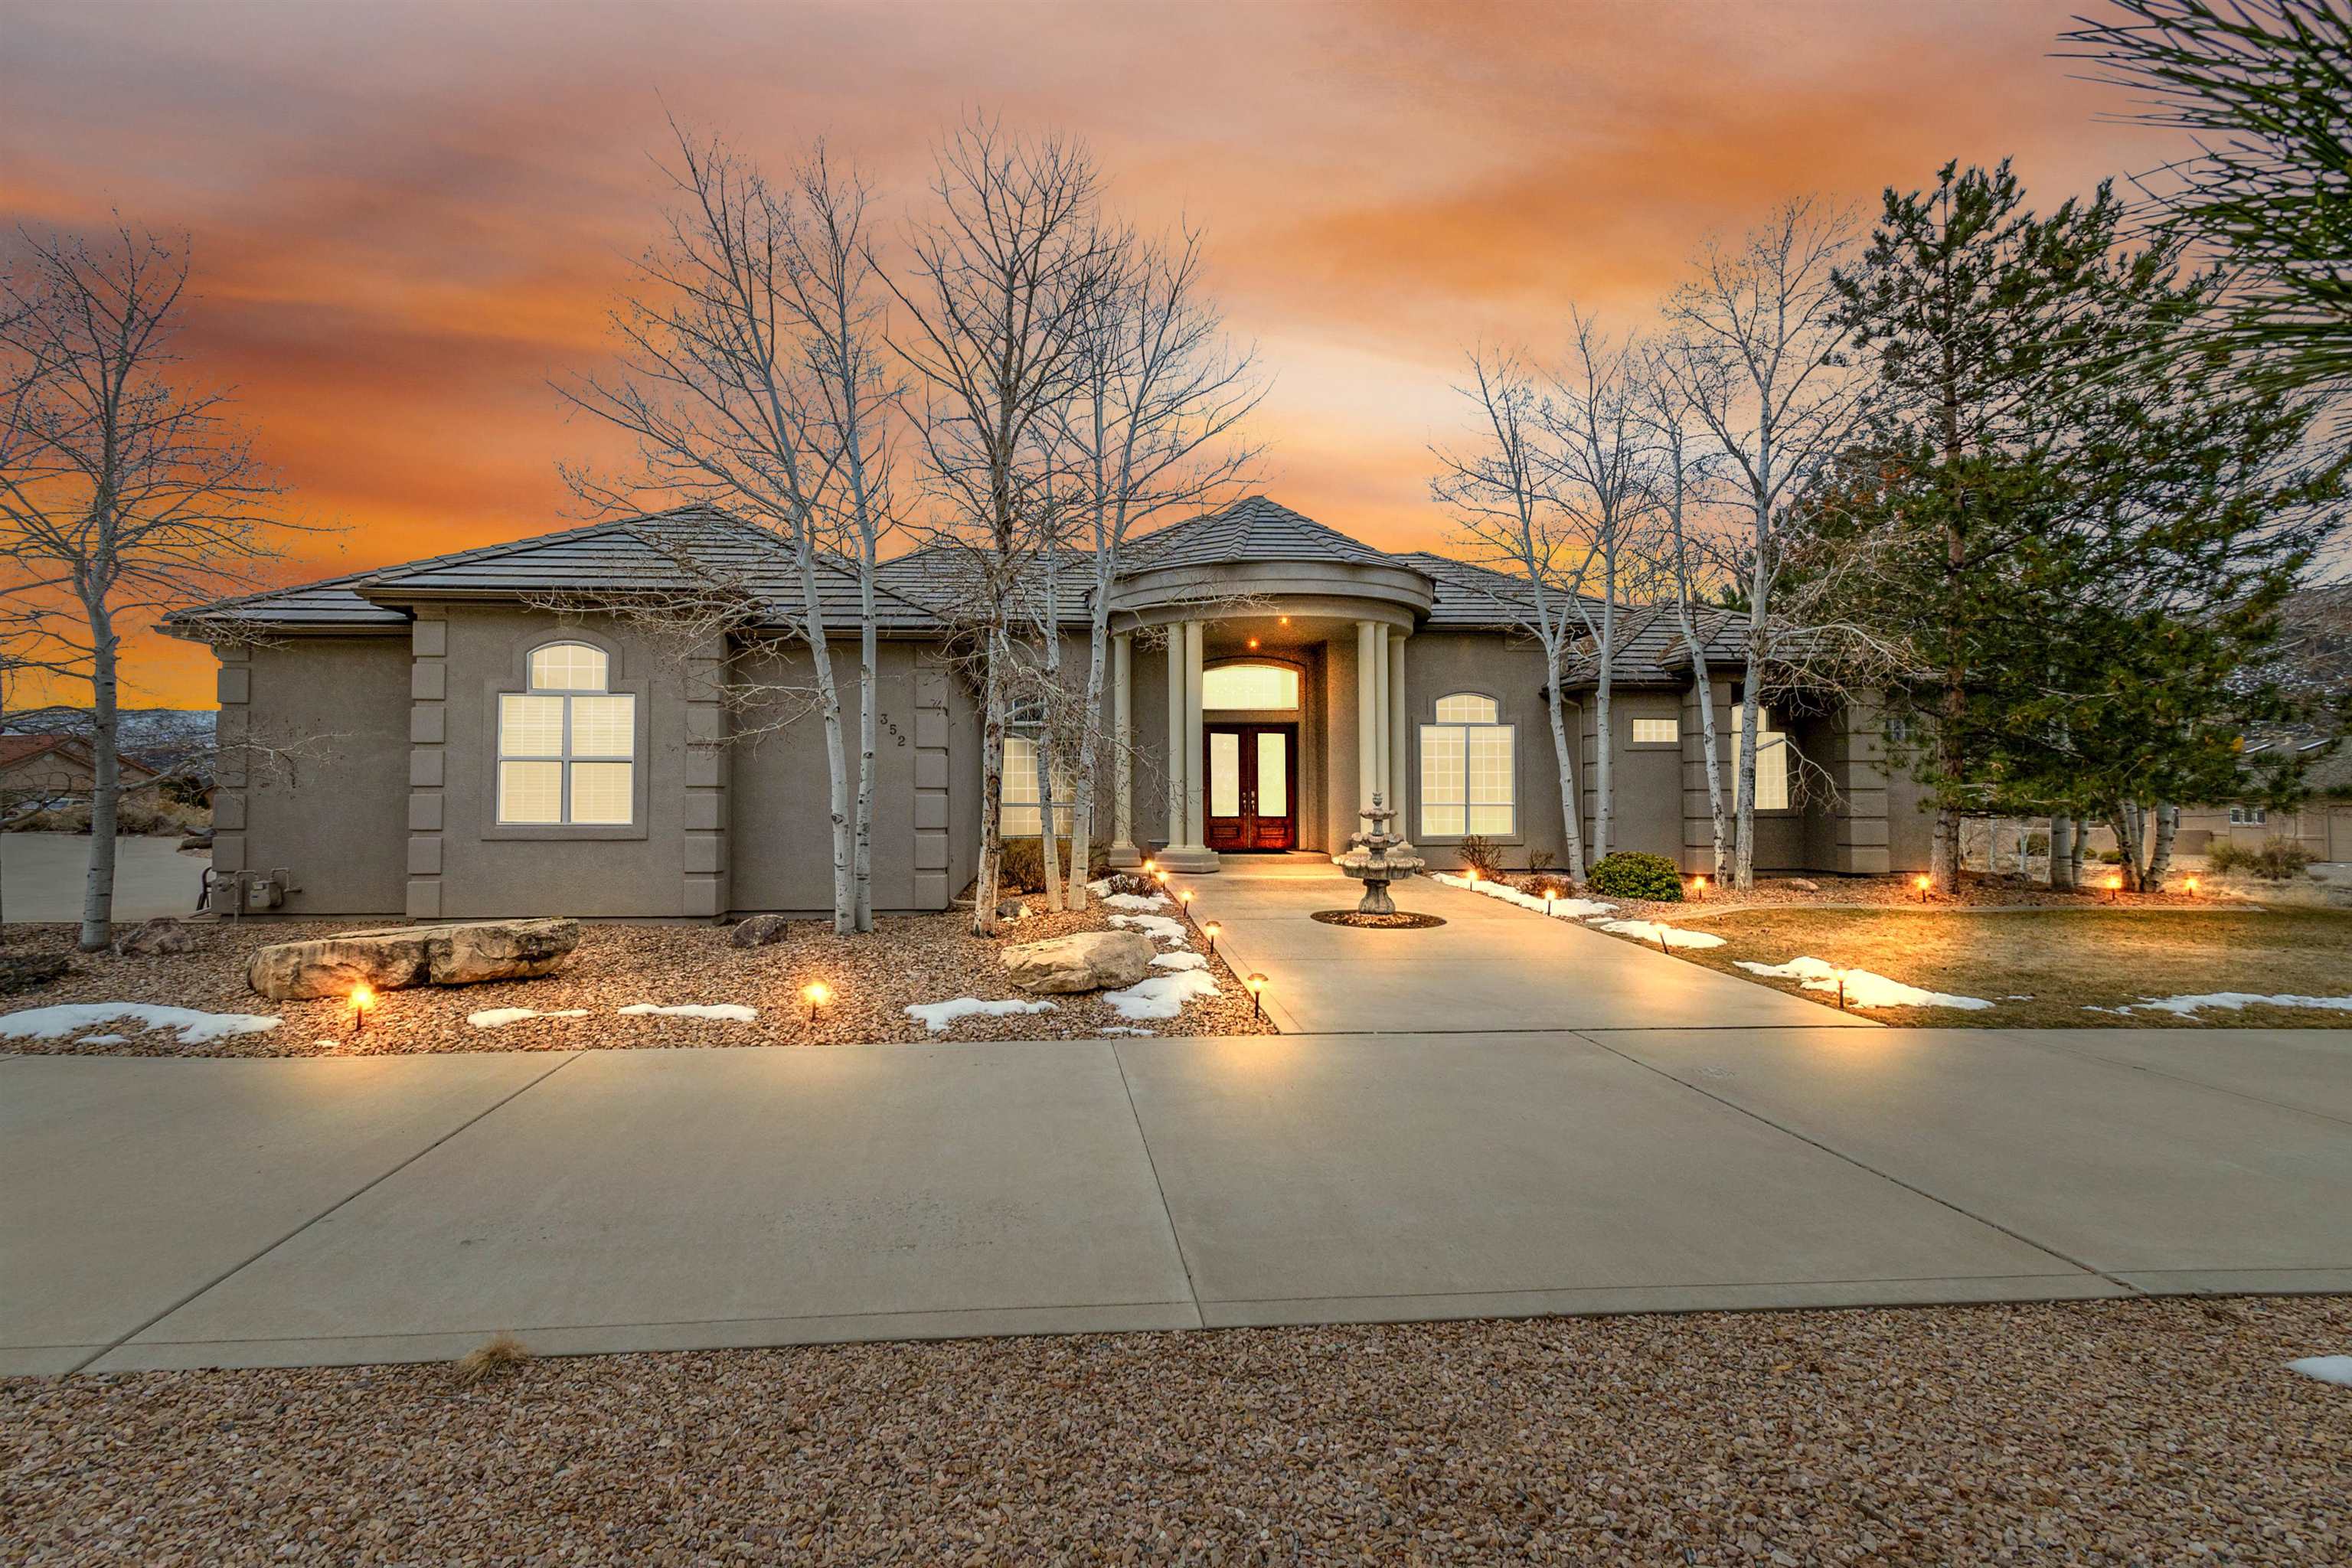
{"points": [[1491, 966], [181, 1212]]}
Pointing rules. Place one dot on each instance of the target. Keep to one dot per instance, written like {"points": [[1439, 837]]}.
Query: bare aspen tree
{"points": [[1759, 360], [1685, 567], [125, 492], [1503, 495], [1605, 453], [1150, 427], [748, 382], [1004, 280]]}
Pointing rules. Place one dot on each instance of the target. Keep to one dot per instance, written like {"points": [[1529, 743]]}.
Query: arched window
{"points": [[1468, 771], [1259, 688], [567, 746]]}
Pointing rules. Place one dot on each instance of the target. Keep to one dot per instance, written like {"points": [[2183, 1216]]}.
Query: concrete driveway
{"points": [[42, 876], [173, 1212]]}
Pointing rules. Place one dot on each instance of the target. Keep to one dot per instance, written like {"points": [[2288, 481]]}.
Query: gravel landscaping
{"points": [[2138, 1432], [873, 979]]}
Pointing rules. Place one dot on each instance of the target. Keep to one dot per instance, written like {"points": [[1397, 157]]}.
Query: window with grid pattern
{"points": [[567, 747], [1468, 773], [1772, 752], [1657, 732], [1021, 813]]}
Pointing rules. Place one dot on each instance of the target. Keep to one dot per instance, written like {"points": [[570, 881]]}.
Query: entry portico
{"points": [[1282, 760]]}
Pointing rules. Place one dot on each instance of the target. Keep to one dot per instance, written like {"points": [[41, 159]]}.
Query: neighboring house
{"points": [[2322, 823], [470, 751], [39, 769]]}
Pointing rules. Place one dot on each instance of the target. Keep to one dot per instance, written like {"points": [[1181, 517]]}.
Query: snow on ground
{"points": [[940, 1016], [194, 1028], [499, 1017], [2326, 1368], [1161, 995], [1135, 900], [724, 1012], [2231, 1001], [1651, 930], [1126, 1029], [1561, 909], [102, 1040], [1183, 958], [1160, 927], [1862, 988]]}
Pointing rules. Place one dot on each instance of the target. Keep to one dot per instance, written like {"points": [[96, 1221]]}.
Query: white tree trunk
{"points": [[868, 697], [2062, 853], [1571, 810], [991, 792], [1089, 749], [106, 789], [1711, 754]]}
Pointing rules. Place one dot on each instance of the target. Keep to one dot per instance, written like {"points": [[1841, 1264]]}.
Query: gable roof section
{"points": [[1252, 528]]}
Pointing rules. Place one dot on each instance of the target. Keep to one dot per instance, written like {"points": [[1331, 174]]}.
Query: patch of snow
{"points": [[1862, 988], [724, 1012], [1136, 901], [102, 1039], [2326, 1368], [1184, 959], [1650, 931], [1099, 886], [194, 1028], [1161, 928], [499, 1017], [2231, 1001], [1561, 909], [1125, 1029], [2016, 997], [1161, 995], [940, 1016]]}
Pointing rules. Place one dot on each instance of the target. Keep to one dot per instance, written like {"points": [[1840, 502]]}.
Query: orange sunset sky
{"points": [[408, 217]]}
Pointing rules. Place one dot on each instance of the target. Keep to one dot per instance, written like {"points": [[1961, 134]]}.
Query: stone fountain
{"points": [[1377, 858]]}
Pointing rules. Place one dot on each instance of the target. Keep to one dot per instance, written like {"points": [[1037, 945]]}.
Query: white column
{"points": [[1196, 771], [1380, 764], [1399, 753], [1368, 716], [1122, 790], [1176, 754]]}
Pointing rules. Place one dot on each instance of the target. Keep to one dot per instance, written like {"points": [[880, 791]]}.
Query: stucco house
{"points": [[43, 770], [456, 737]]}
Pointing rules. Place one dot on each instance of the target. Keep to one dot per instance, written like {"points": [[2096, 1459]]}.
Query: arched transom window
{"points": [[567, 746], [1260, 688], [1467, 771]]}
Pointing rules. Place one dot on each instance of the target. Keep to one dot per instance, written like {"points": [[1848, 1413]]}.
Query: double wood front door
{"points": [[1252, 777]]}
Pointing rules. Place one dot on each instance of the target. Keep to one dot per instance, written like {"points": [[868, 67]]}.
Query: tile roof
{"points": [[660, 551], [1252, 528]]}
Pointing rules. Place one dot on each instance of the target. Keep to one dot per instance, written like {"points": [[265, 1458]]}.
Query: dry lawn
{"points": [[2062, 962], [2129, 1432], [873, 978]]}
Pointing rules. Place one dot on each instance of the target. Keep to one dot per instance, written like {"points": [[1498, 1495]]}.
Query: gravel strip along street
{"points": [[2113, 1432], [906, 959]]}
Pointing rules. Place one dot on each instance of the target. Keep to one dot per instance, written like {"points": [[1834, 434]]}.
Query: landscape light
{"points": [[2189, 887], [1257, 987], [1921, 883], [1185, 903], [816, 994], [1162, 878], [2114, 885], [1698, 886], [1211, 930], [363, 1000], [1470, 875], [1551, 897], [1149, 867], [1252, 643]]}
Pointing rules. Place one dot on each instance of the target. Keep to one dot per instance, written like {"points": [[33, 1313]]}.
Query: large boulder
{"points": [[759, 930], [1084, 960], [156, 938], [460, 954]]}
